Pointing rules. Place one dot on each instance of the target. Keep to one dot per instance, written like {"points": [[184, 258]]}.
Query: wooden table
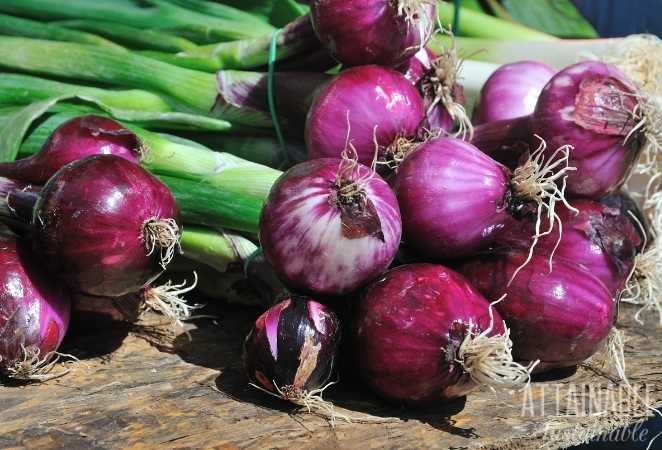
{"points": [[136, 387]]}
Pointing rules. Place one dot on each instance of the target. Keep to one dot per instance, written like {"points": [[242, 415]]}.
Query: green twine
{"points": [[456, 17], [270, 92]]}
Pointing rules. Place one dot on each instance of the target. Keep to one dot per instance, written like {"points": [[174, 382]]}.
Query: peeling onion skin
{"points": [[599, 238], [88, 224], [312, 245], [407, 327], [360, 32], [376, 102], [628, 207], [561, 318], [73, 140], [512, 91], [293, 344], [603, 162], [34, 311], [416, 69], [451, 197]]}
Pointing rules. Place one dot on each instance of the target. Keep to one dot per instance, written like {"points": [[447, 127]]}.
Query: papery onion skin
{"points": [[512, 91], [294, 344], [600, 155], [407, 328], [89, 224], [418, 69], [592, 107], [376, 103], [560, 318], [316, 247], [34, 310], [452, 199], [75, 139], [597, 237], [371, 31], [629, 208]]}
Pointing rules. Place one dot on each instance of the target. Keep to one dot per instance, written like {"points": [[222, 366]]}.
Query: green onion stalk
{"points": [[158, 14], [220, 249], [235, 96], [16, 26], [295, 39], [131, 37], [215, 189]]}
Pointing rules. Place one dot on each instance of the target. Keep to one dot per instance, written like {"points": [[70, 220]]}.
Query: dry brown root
{"points": [[412, 11], [164, 235], [442, 86], [537, 181], [34, 367], [313, 403], [488, 359], [167, 300], [640, 58]]}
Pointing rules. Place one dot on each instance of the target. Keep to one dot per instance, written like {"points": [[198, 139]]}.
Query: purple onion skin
{"points": [[313, 244], [360, 32], [512, 91], [598, 238], [416, 69], [73, 140], [407, 327], [293, 344], [89, 221], [560, 318], [34, 310], [602, 160], [452, 199], [628, 207], [379, 104]]}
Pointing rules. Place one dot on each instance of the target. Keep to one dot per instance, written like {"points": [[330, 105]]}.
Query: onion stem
{"points": [[159, 14], [217, 249]]}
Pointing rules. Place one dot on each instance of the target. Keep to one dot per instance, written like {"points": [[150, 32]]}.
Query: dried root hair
{"points": [[537, 181], [349, 181], [167, 299], [313, 403], [32, 366], [441, 84], [488, 359], [414, 13], [644, 283], [640, 58], [164, 235]]}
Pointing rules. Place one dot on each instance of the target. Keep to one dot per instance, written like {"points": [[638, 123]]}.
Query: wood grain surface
{"points": [[151, 386]]}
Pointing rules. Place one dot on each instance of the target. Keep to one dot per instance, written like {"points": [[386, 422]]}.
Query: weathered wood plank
{"points": [[130, 393]]}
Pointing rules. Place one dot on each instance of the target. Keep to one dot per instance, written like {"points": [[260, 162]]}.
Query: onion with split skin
{"points": [[422, 333], [34, 313], [384, 32], [560, 317], [329, 226], [292, 350], [371, 108]]}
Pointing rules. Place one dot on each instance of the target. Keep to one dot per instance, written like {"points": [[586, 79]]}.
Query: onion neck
{"points": [[17, 201]]}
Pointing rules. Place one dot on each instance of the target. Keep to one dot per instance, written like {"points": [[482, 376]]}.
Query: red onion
{"points": [[512, 91], [455, 200], [384, 32], [292, 350], [559, 317], [330, 225], [75, 139], [435, 77], [629, 208], [104, 224], [34, 313], [594, 108], [369, 107], [423, 333], [595, 236]]}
